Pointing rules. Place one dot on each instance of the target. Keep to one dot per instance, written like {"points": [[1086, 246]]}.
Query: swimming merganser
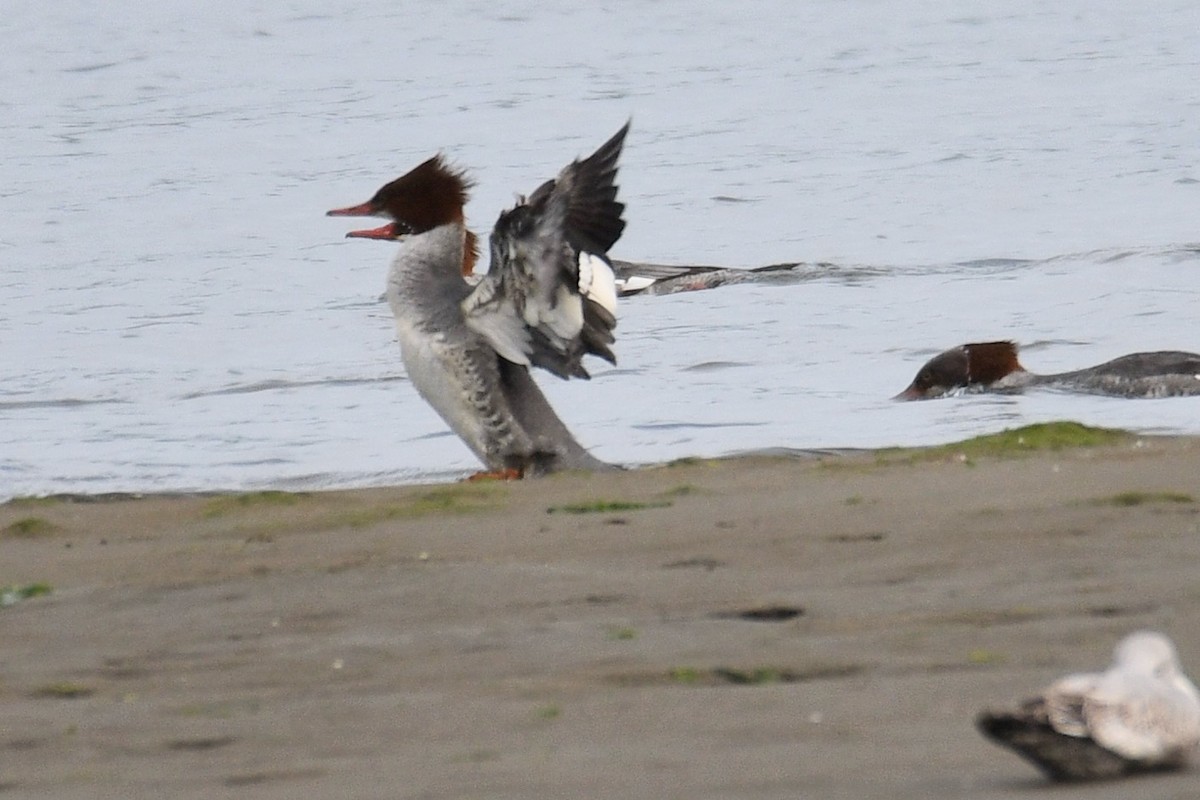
{"points": [[659, 279], [548, 299], [993, 367]]}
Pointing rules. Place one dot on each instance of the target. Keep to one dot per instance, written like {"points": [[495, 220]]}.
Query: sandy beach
{"points": [[759, 627]]}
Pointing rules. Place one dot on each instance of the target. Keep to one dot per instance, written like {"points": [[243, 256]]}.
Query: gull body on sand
{"points": [[1140, 714]]}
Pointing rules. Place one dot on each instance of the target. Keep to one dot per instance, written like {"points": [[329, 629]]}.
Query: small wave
{"points": [[444, 434], [806, 453], [850, 273], [65, 402], [724, 198], [679, 426], [994, 264], [273, 384], [93, 67], [713, 366]]}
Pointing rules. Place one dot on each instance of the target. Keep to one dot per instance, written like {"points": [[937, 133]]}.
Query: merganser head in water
{"points": [[548, 299], [968, 366], [993, 367]]}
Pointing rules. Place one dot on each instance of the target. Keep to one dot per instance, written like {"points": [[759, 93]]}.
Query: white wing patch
{"points": [[563, 318], [635, 283], [597, 281]]}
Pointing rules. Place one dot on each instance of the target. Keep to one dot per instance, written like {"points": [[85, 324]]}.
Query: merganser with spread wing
{"points": [[548, 299]]}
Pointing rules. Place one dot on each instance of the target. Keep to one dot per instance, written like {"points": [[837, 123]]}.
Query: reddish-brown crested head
{"points": [[427, 196], [976, 364], [431, 194], [988, 362]]}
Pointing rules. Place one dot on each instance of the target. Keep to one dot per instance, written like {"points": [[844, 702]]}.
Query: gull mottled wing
{"points": [[549, 297], [1142, 713], [1142, 717]]}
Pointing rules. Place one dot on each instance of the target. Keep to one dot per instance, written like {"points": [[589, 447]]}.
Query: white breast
{"points": [[433, 377], [413, 291]]}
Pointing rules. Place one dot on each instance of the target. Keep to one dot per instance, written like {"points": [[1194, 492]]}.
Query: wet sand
{"points": [[746, 628]]}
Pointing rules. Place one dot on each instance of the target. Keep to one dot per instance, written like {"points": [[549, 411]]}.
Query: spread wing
{"points": [[550, 295]]}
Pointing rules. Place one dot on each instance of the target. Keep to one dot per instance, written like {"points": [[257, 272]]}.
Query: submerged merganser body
{"points": [[659, 279], [548, 299], [993, 367]]}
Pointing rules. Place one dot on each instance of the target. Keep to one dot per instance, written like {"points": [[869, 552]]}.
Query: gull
{"points": [[1140, 714]]}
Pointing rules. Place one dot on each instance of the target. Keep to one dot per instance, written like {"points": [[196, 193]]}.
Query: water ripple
{"points": [[63, 403], [276, 384], [679, 426]]}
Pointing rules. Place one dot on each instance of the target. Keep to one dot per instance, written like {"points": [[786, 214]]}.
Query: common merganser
{"points": [[660, 279], [1140, 714], [548, 299], [993, 367]]}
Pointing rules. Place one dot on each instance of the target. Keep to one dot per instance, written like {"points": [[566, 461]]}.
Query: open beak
{"points": [[390, 231], [360, 210]]}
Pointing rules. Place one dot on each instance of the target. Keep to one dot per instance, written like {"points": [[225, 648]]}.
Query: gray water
{"points": [[178, 314]]}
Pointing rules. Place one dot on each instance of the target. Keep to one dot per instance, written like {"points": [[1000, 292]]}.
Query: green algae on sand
{"points": [[29, 528], [1027, 439]]}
